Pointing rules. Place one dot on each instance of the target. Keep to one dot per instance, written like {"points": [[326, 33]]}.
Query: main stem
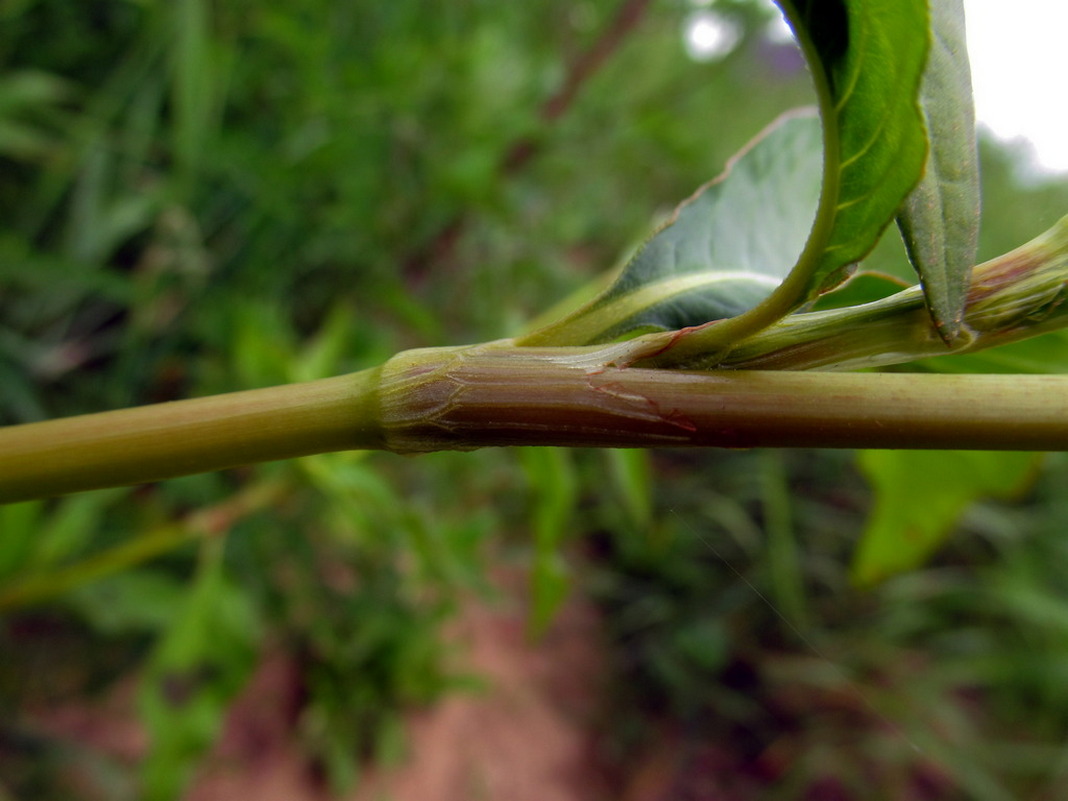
{"points": [[497, 394], [482, 396]]}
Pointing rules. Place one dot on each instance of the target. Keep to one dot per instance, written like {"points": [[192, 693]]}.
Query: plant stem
{"points": [[1015, 296], [149, 443], [492, 395], [497, 394]]}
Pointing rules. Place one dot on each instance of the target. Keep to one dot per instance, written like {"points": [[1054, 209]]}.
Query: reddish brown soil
{"points": [[530, 735]]}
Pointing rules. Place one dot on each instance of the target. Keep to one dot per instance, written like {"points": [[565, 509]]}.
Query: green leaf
{"points": [[867, 58], [724, 249], [138, 600], [72, 526], [19, 524], [710, 263], [1011, 298], [940, 219], [920, 496], [31, 89]]}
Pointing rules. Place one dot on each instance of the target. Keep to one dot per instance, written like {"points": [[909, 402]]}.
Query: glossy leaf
{"points": [[940, 219], [919, 498], [724, 249]]}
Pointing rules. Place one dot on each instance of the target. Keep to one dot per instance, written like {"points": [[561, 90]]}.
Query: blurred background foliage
{"points": [[200, 197]]}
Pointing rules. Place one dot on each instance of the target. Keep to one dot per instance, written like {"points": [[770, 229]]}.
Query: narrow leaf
{"points": [[724, 250], [940, 219]]}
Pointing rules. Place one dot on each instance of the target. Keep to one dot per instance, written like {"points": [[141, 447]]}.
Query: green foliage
{"points": [[368, 653], [866, 59], [631, 474], [30, 105], [707, 264], [951, 670]]}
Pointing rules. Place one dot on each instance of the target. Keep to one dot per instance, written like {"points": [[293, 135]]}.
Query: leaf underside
{"points": [[940, 219], [724, 249], [747, 241], [869, 57]]}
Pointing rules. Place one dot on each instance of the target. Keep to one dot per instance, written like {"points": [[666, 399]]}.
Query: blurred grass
{"points": [[199, 198]]}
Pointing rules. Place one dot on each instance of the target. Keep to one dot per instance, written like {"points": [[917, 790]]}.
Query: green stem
{"points": [[1016, 296], [134, 446], [498, 394]]}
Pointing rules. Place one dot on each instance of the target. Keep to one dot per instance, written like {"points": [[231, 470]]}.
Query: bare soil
{"points": [[532, 734]]}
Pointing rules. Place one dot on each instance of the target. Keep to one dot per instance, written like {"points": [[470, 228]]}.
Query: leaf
{"points": [[710, 262], [920, 495], [724, 249], [134, 601], [1015, 297], [867, 58], [31, 90], [195, 84], [71, 527], [940, 219], [19, 524]]}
